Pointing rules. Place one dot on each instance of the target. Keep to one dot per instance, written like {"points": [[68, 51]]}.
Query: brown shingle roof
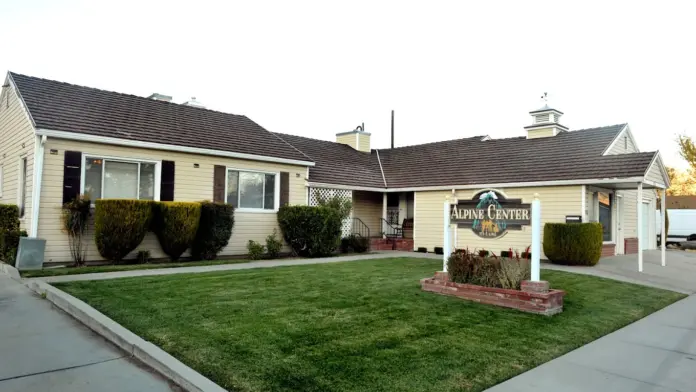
{"points": [[59, 106], [338, 163]]}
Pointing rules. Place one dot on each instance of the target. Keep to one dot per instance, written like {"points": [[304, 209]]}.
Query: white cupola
{"points": [[545, 122]]}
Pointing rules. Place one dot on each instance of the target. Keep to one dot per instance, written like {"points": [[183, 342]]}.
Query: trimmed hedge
{"points": [[175, 224], [310, 231], [214, 230], [9, 243], [120, 226], [573, 243], [355, 243], [9, 217]]}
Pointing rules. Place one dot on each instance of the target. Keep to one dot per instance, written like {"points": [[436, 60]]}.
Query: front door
{"points": [[619, 226]]}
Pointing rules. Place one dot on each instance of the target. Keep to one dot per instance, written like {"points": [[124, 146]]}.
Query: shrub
{"points": [[74, 216], [214, 230], [310, 231], [355, 243], [513, 271], [438, 250], [343, 206], [472, 268], [120, 226], [143, 257], [9, 243], [273, 245], [255, 249], [573, 243], [422, 249], [484, 253], [506, 253], [175, 224], [9, 217]]}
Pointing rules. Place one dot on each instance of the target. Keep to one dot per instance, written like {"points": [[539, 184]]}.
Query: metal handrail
{"points": [[360, 228], [390, 231]]}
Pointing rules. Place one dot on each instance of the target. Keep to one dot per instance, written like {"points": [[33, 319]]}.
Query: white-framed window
{"points": [[250, 190], [120, 178], [22, 186]]}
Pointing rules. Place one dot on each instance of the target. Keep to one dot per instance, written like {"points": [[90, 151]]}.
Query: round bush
{"points": [[175, 225], [573, 243], [120, 226], [214, 230], [310, 231], [9, 217]]}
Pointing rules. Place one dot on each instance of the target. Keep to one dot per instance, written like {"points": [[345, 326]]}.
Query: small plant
{"points": [[273, 245], [43, 295], [74, 217], [502, 272], [255, 250], [143, 257], [513, 271], [9, 243], [484, 253], [422, 249], [438, 250], [355, 243]]}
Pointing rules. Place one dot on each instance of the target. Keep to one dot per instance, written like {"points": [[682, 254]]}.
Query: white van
{"points": [[682, 225]]}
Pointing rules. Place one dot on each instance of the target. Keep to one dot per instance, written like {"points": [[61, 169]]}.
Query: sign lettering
{"points": [[490, 215]]}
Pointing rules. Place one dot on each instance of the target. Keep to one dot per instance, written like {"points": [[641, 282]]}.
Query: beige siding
{"points": [[348, 139], [368, 207], [17, 141], [624, 145], [655, 174], [364, 142], [556, 203], [543, 132], [191, 184]]}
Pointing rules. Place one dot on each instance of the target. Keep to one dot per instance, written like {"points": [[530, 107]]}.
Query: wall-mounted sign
{"points": [[573, 219], [490, 215]]}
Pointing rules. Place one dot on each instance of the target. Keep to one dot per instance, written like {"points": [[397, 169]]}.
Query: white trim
{"points": [[379, 160], [665, 176], [21, 185], [23, 104], [105, 158], [639, 225], [166, 147], [276, 191], [415, 210], [583, 209], [39, 143], [626, 130], [629, 180]]}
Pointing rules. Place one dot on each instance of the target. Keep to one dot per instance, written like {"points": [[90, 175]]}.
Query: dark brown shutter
{"points": [[219, 184], [167, 183], [72, 175], [284, 188]]}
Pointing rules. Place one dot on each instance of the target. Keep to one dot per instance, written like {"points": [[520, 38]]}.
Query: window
{"points": [[606, 201], [22, 187], [252, 190], [108, 178]]}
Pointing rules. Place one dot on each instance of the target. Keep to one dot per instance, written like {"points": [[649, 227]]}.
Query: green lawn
{"points": [[357, 326], [122, 267]]}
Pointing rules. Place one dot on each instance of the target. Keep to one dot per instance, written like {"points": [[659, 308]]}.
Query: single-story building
{"points": [[61, 140]]}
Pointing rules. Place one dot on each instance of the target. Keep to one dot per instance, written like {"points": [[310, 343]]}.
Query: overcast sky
{"points": [[448, 69]]}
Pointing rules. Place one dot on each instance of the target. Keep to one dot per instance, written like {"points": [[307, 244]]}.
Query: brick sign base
{"points": [[535, 297]]}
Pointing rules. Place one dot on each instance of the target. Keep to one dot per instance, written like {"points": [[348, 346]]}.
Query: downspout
{"points": [[36, 189]]}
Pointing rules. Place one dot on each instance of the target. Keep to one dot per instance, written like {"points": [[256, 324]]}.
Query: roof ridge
{"points": [[286, 142], [430, 143], [120, 93]]}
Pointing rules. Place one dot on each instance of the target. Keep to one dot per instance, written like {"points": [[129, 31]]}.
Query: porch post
{"points": [[536, 239], [446, 234], [639, 208], [663, 216], [384, 214]]}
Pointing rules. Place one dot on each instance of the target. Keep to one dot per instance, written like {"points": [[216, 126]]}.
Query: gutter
{"points": [[166, 147], [36, 184]]}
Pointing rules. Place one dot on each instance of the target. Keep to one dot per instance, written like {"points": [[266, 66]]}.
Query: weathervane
{"points": [[545, 98]]}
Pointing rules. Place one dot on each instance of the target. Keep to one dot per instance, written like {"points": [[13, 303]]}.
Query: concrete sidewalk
{"points": [[43, 349], [657, 353]]}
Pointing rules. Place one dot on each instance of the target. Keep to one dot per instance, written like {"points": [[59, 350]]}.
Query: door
{"points": [[619, 226], [645, 235]]}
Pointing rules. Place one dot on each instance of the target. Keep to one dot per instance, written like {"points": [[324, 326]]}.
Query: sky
{"points": [[449, 69]]}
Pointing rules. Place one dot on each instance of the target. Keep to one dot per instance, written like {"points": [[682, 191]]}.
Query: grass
{"points": [[58, 271], [357, 326]]}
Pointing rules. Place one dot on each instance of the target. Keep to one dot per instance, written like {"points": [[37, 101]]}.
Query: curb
{"points": [[149, 354], [11, 271]]}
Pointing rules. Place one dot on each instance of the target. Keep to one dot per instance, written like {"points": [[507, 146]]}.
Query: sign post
{"points": [[446, 236], [536, 239]]}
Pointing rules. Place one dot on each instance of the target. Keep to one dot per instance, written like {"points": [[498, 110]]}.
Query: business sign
{"points": [[490, 215]]}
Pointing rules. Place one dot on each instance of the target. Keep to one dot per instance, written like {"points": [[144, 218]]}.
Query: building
{"points": [[61, 140]]}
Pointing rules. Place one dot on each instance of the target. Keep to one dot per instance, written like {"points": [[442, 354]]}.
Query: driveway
{"points": [[44, 349], [678, 275]]}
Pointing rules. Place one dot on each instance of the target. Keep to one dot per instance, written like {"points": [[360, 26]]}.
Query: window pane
{"points": [[121, 180], [269, 196], [232, 188], [251, 190], [93, 177], [147, 181], [605, 204]]}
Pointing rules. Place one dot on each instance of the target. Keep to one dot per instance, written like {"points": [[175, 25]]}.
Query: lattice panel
{"points": [[316, 193]]}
